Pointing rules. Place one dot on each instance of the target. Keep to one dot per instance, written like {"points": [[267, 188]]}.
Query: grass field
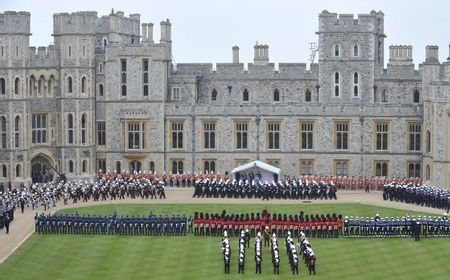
{"points": [[120, 257]]}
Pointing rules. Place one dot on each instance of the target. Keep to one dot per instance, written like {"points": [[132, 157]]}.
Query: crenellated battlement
{"points": [[400, 55], [43, 56], [74, 23], [333, 22], [15, 23]]}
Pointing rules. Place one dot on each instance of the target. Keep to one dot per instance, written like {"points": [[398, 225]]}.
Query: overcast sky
{"points": [[205, 30]]}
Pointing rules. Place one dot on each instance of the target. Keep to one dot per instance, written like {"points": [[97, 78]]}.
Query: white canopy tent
{"points": [[267, 171]]}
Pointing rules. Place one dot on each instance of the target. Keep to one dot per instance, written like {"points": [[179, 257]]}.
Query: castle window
{"points": [[41, 84], [177, 166], [70, 51], [70, 129], [84, 167], [118, 167], [39, 128], [306, 135], [101, 164], [356, 84], [70, 166], [308, 95], [273, 135], [214, 95], [177, 134], [16, 86], [101, 133], [17, 132], [32, 81], [276, 95], [414, 170], [382, 136], [4, 132], [414, 136], [83, 85], [136, 135], [241, 135], [427, 173], [145, 76], [341, 167], [337, 84], [384, 96], [209, 134], [209, 166], [2, 86], [307, 167], [83, 129], [337, 50], [100, 68], [69, 85], [84, 51], [105, 42], [341, 135], [2, 51], [100, 89], [245, 95], [176, 93], [152, 167], [416, 96], [4, 171], [428, 141], [381, 168], [17, 51], [18, 170], [51, 85], [123, 78], [356, 51]]}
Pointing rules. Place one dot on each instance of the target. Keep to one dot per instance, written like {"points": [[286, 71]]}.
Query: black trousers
{"points": [[241, 268], [227, 267], [258, 268]]}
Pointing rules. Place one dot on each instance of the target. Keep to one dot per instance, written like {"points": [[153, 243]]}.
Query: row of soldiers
{"points": [[364, 227], [306, 250], [111, 225], [321, 226], [6, 213], [420, 195], [287, 189]]}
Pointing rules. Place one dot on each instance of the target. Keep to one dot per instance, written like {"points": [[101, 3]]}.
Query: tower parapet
{"points": [[400, 55], [44, 57], [80, 23], [332, 22], [15, 23]]}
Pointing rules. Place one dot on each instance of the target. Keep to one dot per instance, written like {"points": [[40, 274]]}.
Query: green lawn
{"points": [[120, 257]]}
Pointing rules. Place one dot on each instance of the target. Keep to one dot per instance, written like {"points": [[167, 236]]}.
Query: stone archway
{"points": [[41, 172]]}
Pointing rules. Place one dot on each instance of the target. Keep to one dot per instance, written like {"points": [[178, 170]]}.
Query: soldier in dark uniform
{"points": [[7, 221]]}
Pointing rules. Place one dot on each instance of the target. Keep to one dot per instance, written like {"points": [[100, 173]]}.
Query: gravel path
{"points": [[23, 225]]}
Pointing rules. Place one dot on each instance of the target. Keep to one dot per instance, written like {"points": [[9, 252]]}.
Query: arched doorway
{"points": [[41, 172]]}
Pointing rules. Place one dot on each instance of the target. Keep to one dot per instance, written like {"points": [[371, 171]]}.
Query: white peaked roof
{"points": [[259, 164]]}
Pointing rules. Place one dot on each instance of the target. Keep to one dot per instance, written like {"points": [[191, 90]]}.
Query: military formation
{"points": [[7, 208], [320, 226], [418, 194], [111, 225], [287, 189], [407, 226]]}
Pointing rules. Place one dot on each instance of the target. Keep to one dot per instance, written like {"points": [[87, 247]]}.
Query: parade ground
{"points": [[28, 255]]}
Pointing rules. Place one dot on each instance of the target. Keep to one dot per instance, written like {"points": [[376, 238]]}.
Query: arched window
{"points": [[4, 171], [356, 51], [100, 89], [427, 173], [69, 85], [17, 86], [416, 96], [118, 167], [214, 95], [83, 85], [51, 85], [70, 166], [4, 132], [18, 169], [152, 167], [356, 84], [32, 82], [105, 43], [85, 166], [245, 95], [17, 132], [308, 97], [276, 95], [2, 86], [337, 50], [83, 129], [337, 84], [384, 96], [428, 141], [41, 85], [135, 166], [70, 128]]}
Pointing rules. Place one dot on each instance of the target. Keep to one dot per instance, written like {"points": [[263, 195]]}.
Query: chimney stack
{"points": [[150, 32], [235, 54], [144, 32], [261, 54], [432, 54]]}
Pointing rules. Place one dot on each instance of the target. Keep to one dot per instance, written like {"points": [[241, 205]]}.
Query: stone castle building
{"points": [[107, 96]]}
